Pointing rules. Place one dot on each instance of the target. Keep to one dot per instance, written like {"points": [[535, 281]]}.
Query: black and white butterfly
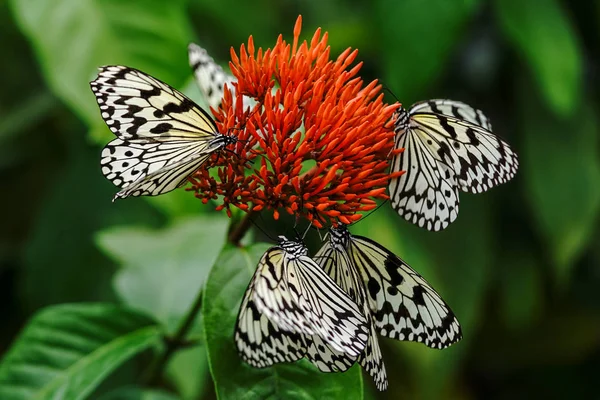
{"points": [[293, 309], [211, 78], [448, 146], [162, 136], [395, 299]]}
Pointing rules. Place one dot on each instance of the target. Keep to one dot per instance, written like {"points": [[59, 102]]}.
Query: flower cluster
{"points": [[317, 141]]}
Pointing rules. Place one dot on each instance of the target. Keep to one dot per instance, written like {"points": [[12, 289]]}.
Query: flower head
{"points": [[317, 140]]}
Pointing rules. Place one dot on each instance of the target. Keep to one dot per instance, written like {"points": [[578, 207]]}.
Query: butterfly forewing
{"points": [[162, 136], [406, 306], [453, 108], [478, 157], [135, 105]]}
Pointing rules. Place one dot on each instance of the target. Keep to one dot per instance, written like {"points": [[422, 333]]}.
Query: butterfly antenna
{"points": [[387, 89], [306, 231], [370, 212], [261, 229]]}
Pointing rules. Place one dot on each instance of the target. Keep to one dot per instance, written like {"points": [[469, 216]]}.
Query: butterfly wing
{"points": [[336, 263], [260, 343], [479, 159], [426, 194], [296, 295], [162, 136], [453, 108], [210, 77], [150, 169], [135, 105], [448, 145], [405, 306]]}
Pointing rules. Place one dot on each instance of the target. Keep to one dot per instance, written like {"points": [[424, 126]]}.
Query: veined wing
{"points": [[426, 194], [260, 343], [144, 168], [210, 77], [135, 105], [479, 159], [335, 261], [297, 296], [406, 307], [453, 108]]}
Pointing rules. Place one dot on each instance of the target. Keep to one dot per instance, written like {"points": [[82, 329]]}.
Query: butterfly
{"points": [[293, 309], [211, 78], [448, 146], [162, 136], [396, 301]]}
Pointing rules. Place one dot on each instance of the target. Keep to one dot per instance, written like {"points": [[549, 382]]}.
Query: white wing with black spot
{"points": [[162, 136], [210, 77], [260, 343], [404, 305], [285, 317], [297, 296], [335, 261], [448, 146], [453, 108]]}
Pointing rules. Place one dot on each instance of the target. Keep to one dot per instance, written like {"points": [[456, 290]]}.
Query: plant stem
{"points": [[237, 233], [177, 341]]}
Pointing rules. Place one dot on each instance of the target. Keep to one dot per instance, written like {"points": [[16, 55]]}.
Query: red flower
{"points": [[319, 142]]}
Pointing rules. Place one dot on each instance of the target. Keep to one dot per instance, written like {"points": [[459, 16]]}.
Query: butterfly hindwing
{"points": [[259, 342], [335, 261], [406, 307], [426, 194]]}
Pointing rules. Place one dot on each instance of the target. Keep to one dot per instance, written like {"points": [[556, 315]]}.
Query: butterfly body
{"points": [[162, 136], [448, 147]]}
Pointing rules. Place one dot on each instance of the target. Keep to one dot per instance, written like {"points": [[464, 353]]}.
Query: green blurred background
{"points": [[520, 266]]}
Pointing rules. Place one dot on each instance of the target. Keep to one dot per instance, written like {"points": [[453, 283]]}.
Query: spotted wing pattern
{"points": [[293, 309], [335, 261], [448, 146], [210, 77], [260, 343], [404, 305], [162, 136], [295, 293], [452, 108]]}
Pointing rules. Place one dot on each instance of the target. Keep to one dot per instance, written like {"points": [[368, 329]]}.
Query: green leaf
{"points": [[418, 38], [65, 351], [72, 39], [188, 371], [521, 291], [561, 170], [542, 32], [137, 393], [163, 270], [234, 379]]}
